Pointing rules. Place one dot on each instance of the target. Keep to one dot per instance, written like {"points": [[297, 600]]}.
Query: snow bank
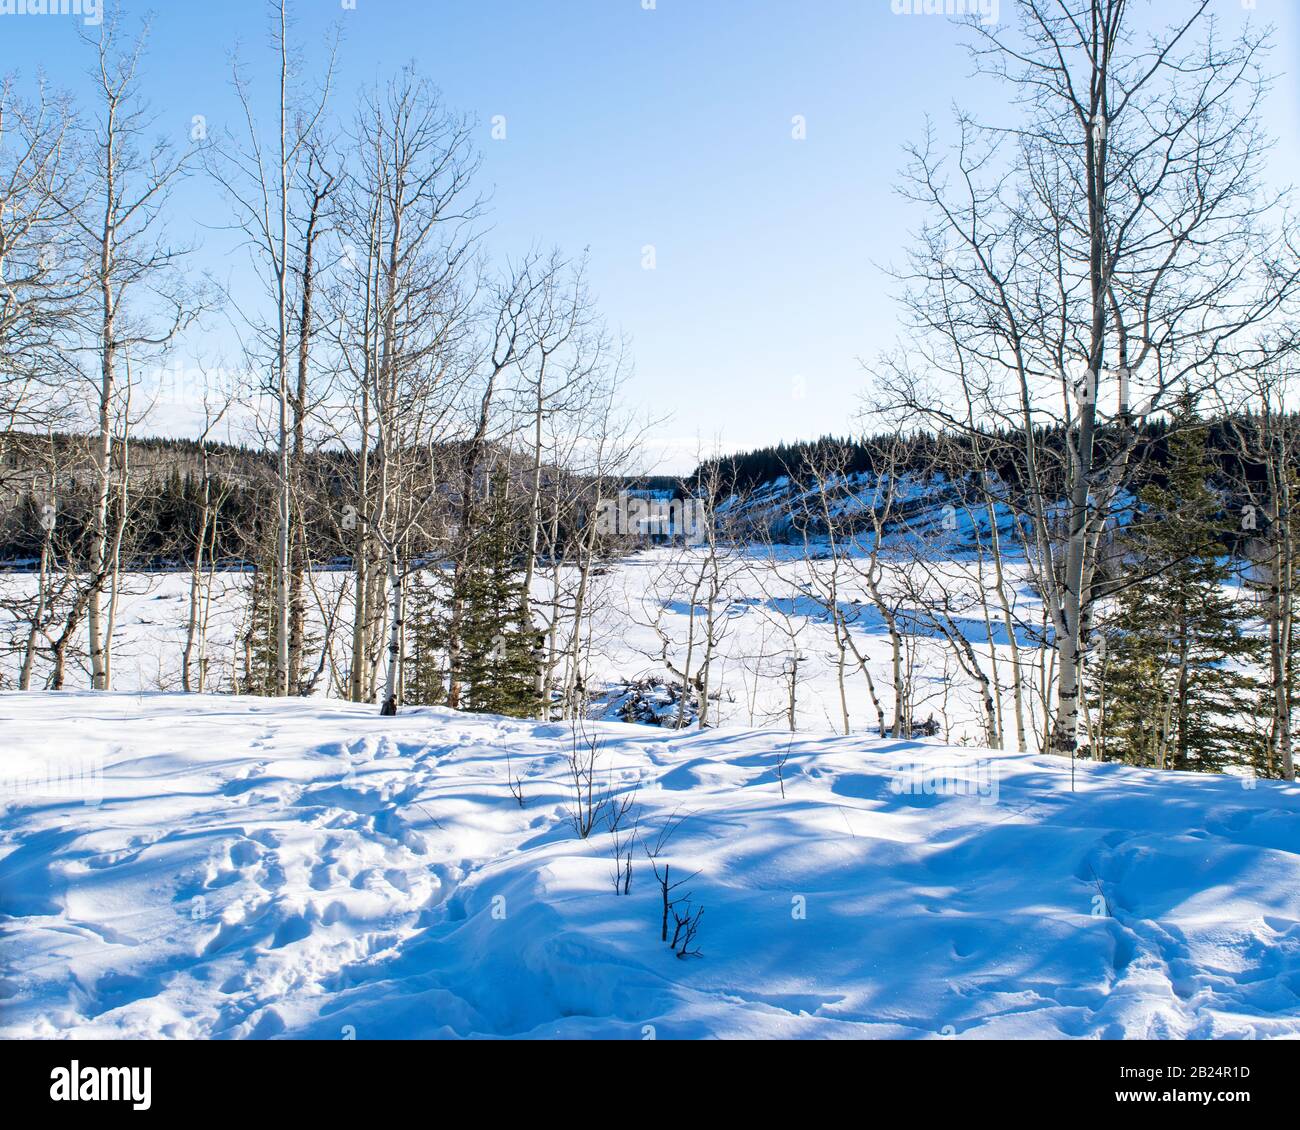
{"points": [[218, 867]]}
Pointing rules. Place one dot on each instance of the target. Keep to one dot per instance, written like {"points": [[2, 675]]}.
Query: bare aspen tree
{"points": [[37, 613], [42, 282], [613, 443], [1080, 270], [1265, 443], [203, 550], [587, 438], [778, 580], [410, 196], [42, 278], [965, 574], [876, 564], [354, 301], [992, 492], [141, 306], [819, 482], [266, 179], [936, 606], [558, 377], [717, 566], [696, 569], [315, 188]]}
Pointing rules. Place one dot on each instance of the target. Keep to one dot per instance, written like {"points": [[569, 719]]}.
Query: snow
{"points": [[195, 866], [768, 596]]}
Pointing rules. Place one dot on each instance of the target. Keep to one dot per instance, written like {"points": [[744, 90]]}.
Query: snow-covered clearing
{"points": [[243, 867], [771, 607]]}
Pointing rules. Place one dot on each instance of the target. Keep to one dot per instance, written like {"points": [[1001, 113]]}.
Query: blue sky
{"points": [[668, 127]]}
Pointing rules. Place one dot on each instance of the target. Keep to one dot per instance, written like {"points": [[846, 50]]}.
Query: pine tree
{"points": [[1169, 686], [257, 642], [498, 645], [426, 634]]}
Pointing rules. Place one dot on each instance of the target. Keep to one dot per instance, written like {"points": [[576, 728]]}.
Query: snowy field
{"points": [[770, 606], [232, 867]]}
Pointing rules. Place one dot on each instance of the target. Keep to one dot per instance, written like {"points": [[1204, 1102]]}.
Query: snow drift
{"points": [[178, 866]]}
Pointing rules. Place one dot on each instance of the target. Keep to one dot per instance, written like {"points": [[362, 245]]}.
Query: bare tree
{"points": [[202, 548], [1114, 247], [507, 342], [410, 343], [697, 571], [265, 181], [142, 303], [1265, 446], [41, 276]]}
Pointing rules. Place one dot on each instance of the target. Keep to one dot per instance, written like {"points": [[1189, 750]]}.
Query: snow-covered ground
{"points": [[771, 606], [216, 866]]}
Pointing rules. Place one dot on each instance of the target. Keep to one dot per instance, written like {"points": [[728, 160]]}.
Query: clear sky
{"points": [[670, 127]]}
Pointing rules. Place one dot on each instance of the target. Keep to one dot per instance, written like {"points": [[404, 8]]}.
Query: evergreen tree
{"points": [[257, 641], [498, 646], [1168, 688], [426, 634]]}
